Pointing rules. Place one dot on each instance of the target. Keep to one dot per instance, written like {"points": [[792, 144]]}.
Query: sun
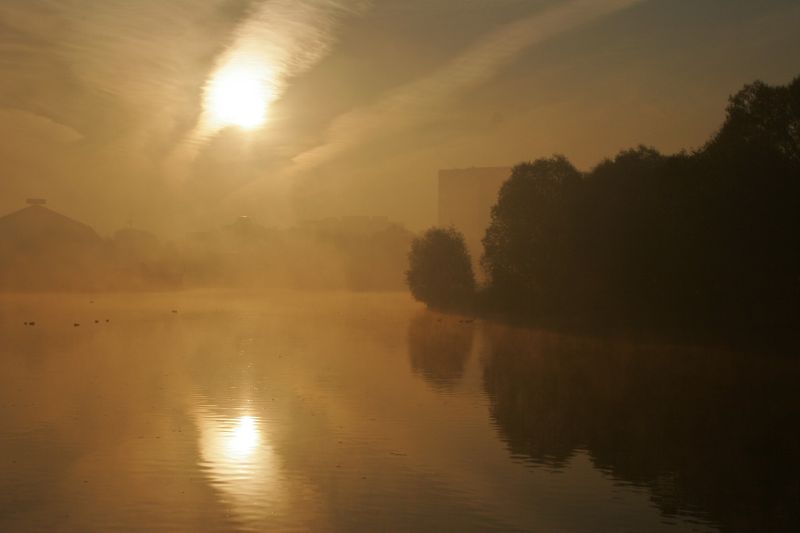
{"points": [[238, 96]]}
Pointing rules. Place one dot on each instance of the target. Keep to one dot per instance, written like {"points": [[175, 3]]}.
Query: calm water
{"points": [[365, 412]]}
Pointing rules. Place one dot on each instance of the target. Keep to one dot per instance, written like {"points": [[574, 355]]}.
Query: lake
{"points": [[283, 411]]}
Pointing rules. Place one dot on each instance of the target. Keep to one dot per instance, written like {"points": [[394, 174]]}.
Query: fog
{"points": [[105, 106], [247, 411], [44, 250], [399, 265]]}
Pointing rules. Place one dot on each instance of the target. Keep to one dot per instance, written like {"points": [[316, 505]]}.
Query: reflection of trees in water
{"points": [[534, 400], [438, 348], [704, 432]]}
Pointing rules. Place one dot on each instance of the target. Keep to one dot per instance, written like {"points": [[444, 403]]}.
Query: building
{"points": [[466, 197], [37, 227], [40, 248]]}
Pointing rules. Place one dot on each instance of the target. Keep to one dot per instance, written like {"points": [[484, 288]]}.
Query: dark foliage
{"points": [[440, 272], [532, 213], [691, 243]]}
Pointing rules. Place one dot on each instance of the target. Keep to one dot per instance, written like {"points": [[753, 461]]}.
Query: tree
{"points": [[700, 242], [529, 238], [763, 122], [752, 169], [440, 271]]}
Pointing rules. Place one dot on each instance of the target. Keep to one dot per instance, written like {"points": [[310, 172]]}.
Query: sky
{"points": [[112, 109]]}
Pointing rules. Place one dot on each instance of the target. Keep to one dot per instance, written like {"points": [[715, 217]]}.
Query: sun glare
{"points": [[244, 438], [238, 96]]}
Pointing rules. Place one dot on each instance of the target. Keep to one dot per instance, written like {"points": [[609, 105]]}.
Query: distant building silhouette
{"points": [[40, 248], [466, 197], [38, 227]]}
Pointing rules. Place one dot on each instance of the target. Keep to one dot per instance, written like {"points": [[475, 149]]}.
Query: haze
{"points": [[400, 265], [102, 103]]}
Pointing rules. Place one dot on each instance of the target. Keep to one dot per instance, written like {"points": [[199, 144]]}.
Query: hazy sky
{"points": [[104, 104]]}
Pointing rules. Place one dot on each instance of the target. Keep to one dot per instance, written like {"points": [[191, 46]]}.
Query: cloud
{"points": [[278, 41], [418, 101], [126, 76], [32, 126]]}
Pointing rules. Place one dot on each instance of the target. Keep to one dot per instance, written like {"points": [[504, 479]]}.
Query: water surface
{"points": [[204, 411]]}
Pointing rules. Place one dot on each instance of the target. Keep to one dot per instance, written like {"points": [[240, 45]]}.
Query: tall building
{"points": [[466, 197]]}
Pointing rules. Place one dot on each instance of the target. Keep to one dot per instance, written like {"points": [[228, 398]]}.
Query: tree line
{"points": [[701, 241]]}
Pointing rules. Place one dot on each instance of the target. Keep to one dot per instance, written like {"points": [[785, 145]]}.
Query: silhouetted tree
{"points": [[750, 178], [704, 242], [529, 240], [761, 119], [625, 234], [440, 272]]}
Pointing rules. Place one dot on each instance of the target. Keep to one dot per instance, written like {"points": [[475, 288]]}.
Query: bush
{"points": [[440, 270]]}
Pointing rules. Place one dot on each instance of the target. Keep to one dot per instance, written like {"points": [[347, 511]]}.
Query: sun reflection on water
{"points": [[238, 459], [244, 439]]}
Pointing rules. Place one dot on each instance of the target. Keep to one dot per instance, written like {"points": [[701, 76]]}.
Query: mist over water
{"points": [[322, 411], [399, 265]]}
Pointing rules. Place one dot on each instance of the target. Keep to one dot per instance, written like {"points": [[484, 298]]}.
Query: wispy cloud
{"points": [[417, 101], [280, 40]]}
